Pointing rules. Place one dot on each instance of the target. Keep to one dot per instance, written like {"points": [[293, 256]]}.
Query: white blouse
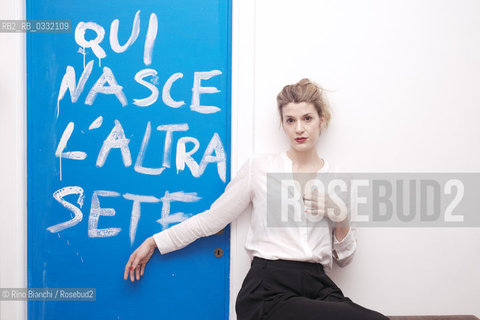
{"points": [[312, 242]]}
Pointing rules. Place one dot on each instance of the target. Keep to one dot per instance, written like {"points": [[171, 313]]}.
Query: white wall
{"points": [[404, 76], [12, 161]]}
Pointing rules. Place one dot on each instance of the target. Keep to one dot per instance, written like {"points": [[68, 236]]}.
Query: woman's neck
{"points": [[302, 159]]}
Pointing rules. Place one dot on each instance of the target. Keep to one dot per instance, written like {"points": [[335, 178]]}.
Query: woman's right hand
{"points": [[139, 258], [321, 205]]}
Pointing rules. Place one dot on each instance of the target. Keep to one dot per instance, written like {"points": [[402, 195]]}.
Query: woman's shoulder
{"points": [[263, 161], [263, 157]]}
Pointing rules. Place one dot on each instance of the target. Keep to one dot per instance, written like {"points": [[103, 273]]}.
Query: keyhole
{"points": [[218, 252]]}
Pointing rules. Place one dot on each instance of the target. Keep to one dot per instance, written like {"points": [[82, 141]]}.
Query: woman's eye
{"points": [[308, 118], [289, 120]]}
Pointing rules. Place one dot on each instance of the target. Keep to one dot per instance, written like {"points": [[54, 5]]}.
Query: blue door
{"points": [[128, 133]]}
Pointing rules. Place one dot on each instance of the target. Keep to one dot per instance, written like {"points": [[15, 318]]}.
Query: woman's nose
{"points": [[299, 127]]}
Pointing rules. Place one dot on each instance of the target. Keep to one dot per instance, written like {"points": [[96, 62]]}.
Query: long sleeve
{"points": [[234, 200], [344, 250]]}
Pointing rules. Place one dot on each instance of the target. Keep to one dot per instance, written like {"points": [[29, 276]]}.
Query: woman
{"points": [[287, 278]]}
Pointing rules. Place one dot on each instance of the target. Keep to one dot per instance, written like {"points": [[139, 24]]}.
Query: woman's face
{"points": [[301, 120]]}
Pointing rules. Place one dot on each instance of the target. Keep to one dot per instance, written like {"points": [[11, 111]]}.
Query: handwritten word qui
{"points": [[113, 88]]}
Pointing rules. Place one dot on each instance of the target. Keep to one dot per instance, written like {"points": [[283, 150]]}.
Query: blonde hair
{"points": [[308, 91]]}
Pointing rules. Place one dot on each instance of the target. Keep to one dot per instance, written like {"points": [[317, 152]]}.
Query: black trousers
{"points": [[286, 289]]}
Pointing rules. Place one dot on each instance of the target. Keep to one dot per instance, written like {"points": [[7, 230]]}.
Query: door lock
{"points": [[218, 252]]}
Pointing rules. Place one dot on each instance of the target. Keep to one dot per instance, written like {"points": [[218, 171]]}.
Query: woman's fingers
{"points": [[132, 278], [138, 272], [128, 266], [125, 274], [143, 269], [315, 212], [132, 274], [313, 204], [314, 197], [134, 267]]}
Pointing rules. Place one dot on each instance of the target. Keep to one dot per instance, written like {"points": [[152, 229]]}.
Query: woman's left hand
{"points": [[139, 258], [321, 205]]}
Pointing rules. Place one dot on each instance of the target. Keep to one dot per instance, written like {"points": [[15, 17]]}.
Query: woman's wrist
{"points": [[341, 229], [151, 242]]}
